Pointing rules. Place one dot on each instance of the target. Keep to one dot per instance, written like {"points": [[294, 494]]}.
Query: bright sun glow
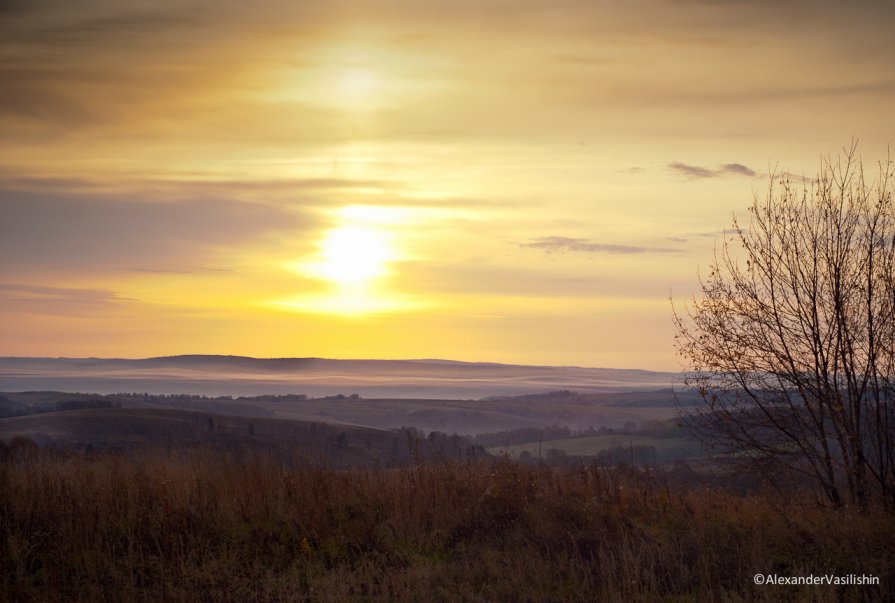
{"points": [[353, 256], [358, 85], [354, 259]]}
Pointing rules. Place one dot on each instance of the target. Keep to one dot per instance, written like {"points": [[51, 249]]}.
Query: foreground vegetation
{"points": [[201, 525]]}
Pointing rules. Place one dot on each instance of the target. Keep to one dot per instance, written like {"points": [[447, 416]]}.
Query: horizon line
{"points": [[264, 358]]}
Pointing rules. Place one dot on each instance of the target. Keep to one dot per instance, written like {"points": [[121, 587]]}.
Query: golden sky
{"points": [[509, 181]]}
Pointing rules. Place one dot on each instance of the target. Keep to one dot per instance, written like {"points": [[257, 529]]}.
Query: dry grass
{"points": [[202, 526]]}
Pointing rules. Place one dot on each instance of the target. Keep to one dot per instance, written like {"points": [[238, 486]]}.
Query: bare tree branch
{"points": [[792, 342]]}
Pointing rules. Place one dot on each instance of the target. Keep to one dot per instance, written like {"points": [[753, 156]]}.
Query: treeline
{"points": [[562, 395], [12, 408], [440, 446]]}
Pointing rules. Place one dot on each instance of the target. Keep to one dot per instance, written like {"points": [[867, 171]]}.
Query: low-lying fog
{"points": [[241, 376]]}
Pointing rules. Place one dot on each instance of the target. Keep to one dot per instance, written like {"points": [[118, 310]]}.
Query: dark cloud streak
{"points": [[556, 244], [691, 171], [695, 171], [737, 168]]}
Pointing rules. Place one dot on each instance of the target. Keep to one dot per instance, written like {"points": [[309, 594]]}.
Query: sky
{"points": [[490, 180]]}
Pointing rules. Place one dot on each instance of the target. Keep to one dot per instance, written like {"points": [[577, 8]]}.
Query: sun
{"points": [[353, 256], [356, 261]]}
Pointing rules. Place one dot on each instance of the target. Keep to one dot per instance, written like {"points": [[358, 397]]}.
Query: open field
{"points": [[205, 526]]}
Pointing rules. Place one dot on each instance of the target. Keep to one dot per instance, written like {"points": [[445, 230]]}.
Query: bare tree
{"points": [[791, 345]]}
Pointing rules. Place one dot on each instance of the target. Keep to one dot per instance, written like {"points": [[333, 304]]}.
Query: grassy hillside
{"points": [[205, 526], [123, 429]]}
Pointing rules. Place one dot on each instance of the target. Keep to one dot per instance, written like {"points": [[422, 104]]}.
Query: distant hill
{"points": [[245, 376]]}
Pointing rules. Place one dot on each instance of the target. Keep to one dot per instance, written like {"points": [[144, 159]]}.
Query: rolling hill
{"points": [[245, 376], [305, 442]]}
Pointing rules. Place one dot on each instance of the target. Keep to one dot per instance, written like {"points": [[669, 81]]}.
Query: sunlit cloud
{"points": [[36, 299], [346, 303], [352, 256], [357, 260]]}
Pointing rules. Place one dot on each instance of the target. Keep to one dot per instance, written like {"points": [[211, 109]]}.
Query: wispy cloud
{"points": [[737, 168], [556, 244], [631, 170], [716, 233], [696, 171], [37, 299], [691, 171], [168, 270], [175, 189]]}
